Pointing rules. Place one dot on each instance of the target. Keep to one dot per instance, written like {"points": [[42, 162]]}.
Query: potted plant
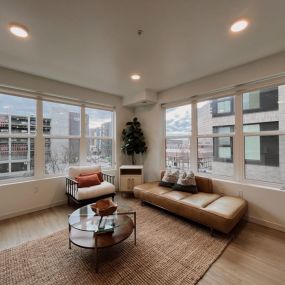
{"points": [[133, 139]]}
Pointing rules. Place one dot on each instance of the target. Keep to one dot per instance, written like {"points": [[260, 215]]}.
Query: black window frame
{"points": [[214, 107], [268, 99]]}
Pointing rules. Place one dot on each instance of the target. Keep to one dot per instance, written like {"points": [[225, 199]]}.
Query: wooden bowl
{"points": [[104, 207]]}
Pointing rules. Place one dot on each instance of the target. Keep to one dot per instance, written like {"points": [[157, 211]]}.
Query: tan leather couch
{"points": [[213, 210]]}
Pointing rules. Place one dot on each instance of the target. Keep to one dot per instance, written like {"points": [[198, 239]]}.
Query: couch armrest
{"points": [[109, 178], [71, 186]]}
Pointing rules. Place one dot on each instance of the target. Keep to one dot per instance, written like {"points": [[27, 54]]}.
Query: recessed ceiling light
{"points": [[239, 26], [136, 77], [18, 30]]}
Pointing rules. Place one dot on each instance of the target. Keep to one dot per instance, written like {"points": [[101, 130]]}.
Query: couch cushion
{"points": [[200, 200], [95, 191], [227, 207], [77, 170], [204, 184], [159, 190], [175, 195]]}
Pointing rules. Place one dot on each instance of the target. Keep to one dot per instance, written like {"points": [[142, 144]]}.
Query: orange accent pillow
{"points": [[99, 174], [87, 180]]}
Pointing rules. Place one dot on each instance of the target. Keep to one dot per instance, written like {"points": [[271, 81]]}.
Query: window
{"points": [[178, 135], [222, 107], [261, 100], [215, 136], [99, 134], [61, 128], [64, 142], [251, 100], [263, 139], [17, 136]]}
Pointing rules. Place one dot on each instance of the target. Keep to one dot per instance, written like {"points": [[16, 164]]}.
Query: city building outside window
{"points": [[178, 136], [263, 131], [99, 136], [215, 122], [17, 136], [62, 136]]}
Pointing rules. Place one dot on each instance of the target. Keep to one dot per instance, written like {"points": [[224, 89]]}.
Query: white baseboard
{"points": [[34, 209], [265, 223]]}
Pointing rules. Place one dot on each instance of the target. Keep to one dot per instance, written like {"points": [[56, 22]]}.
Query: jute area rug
{"points": [[169, 250]]}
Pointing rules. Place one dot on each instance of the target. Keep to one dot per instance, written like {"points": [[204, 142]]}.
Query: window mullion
{"points": [[194, 139], [83, 138], [39, 142], [238, 147]]}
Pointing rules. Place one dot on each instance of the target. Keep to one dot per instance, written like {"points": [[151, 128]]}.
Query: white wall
{"points": [[266, 206], [18, 198]]}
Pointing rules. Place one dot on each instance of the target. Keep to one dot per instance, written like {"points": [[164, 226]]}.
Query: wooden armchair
{"points": [[87, 195]]}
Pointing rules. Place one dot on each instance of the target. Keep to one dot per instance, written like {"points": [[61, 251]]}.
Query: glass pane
{"points": [[252, 148], [61, 119], [17, 114], [265, 158], [60, 154], [16, 157], [99, 123], [178, 153], [224, 107], [4, 149], [99, 151], [251, 100], [178, 121], [265, 108], [214, 158], [216, 116], [4, 123]]}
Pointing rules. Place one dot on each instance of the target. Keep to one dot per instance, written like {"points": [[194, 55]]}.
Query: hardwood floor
{"points": [[256, 256]]}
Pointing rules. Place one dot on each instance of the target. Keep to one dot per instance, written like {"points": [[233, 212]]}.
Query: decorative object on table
{"points": [[102, 188], [130, 176], [104, 207], [133, 139], [186, 183]]}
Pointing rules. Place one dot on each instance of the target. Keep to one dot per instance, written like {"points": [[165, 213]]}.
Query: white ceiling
{"points": [[94, 43]]}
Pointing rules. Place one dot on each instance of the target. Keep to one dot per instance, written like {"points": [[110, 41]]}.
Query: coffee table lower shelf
{"points": [[91, 240]]}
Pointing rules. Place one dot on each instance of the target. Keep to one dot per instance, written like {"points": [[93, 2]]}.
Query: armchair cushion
{"points": [[95, 191], [87, 180], [99, 174], [75, 171]]}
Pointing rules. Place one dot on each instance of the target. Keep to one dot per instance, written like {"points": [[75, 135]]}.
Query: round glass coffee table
{"points": [[88, 230]]}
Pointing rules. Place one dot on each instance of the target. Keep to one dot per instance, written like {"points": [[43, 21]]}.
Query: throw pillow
{"points": [[186, 183], [87, 180], [169, 178], [99, 174]]}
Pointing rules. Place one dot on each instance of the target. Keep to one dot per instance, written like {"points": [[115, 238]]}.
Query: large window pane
{"points": [[99, 123], [178, 121], [215, 156], [266, 108], [178, 153], [16, 157], [18, 112], [60, 154], [99, 151], [265, 158], [216, 116], [61, 119], [4, 149]]}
